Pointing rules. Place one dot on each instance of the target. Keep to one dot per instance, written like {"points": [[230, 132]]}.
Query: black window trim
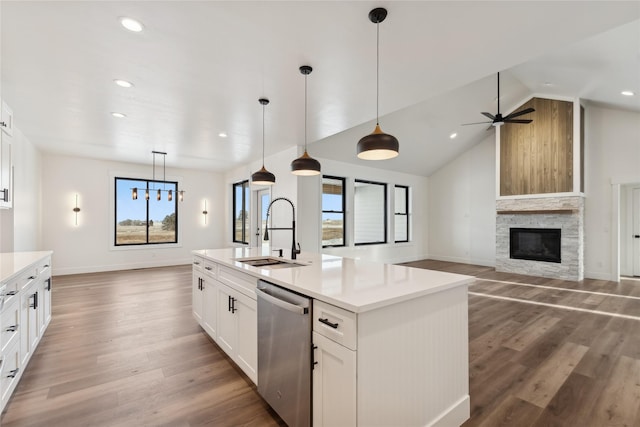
{"points": [[244, 184], [115, 212], [386, 208], [406, 210], [343, 212]]}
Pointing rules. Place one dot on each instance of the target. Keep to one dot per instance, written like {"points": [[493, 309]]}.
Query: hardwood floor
{"points": [[546, 352], [124, 350]]}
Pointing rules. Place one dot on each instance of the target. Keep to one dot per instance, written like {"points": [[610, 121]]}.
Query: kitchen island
{"points": [[390, 342]]}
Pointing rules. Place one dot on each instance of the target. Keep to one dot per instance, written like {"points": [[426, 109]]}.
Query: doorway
{"points": [[263, 198]]}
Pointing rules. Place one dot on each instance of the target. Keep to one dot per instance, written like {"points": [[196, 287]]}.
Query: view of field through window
{"points": [[332, 211], [141, 221]]}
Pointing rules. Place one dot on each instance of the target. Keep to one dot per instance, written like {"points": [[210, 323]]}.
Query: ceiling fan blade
{"points": [[518, 120], [519, 113], [476, 123], [491, 116]]}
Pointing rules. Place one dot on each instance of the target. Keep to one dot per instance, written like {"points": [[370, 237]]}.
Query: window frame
{"points": [[175, 242], [244, 185], [385, 209], [343, 212], [406, 214]]}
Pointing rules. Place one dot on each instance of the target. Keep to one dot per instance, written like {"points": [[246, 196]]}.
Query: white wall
{"points": [[612, 154], [462, 212], [87, 247], [27, 219]]}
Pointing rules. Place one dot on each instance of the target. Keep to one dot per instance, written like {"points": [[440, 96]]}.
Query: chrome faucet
{"points": [[294, 251]]}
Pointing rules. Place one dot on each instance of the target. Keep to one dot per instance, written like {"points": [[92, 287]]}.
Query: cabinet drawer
{"points": [[10, 322], [9, 372], [44, 267], [198, 263], [11, 291], [335, 323], [211, 268], [241, 282], [26, 279]]}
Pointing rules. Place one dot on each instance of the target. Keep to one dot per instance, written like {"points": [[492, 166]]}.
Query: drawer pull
{"points": [[208, 268], [12, 328], [32, 277], [326, 322], [12, 374], [196, 262], [11, 293]]}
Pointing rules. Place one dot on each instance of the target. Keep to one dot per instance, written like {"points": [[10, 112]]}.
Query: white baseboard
{"points": [[454, 416], [115, 267]]}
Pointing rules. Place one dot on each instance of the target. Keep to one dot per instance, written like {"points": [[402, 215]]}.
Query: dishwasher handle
{"points": [[281, 303]]}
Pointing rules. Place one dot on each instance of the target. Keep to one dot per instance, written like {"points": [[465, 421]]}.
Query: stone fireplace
{"points": [[541, 236]]}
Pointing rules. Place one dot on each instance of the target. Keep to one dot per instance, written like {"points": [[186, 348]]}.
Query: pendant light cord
{"points": [[305, 112], [263, 135], [377, 72]]}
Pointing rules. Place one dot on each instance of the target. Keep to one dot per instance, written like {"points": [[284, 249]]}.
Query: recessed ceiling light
{"points": [[123, 83], [627, 93], [222, 135], [547, 84], [118, 115], [453, 135], [131, 24]]}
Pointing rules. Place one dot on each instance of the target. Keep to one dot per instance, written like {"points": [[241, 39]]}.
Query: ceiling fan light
{"points": [[378, 146], [263, 177], [305, 165]]}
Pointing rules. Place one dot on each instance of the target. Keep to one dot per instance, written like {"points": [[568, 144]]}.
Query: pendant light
{"points": [[263, 176], [305, 165], [134, 191], [378, 145]]}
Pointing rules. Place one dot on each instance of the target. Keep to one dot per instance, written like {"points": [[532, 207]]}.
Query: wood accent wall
{"points": [[537, 158]]}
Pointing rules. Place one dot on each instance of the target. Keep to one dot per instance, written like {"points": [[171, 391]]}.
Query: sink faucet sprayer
{"points": [[294, 251]]}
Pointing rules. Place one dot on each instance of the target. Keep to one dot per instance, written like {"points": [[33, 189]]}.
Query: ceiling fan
{"points": [[498, 120]]}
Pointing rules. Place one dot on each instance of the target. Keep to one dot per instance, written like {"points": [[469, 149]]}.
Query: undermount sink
{"points": [[269, 262]]}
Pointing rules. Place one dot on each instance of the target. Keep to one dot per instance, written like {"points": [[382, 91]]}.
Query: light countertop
{"points": [[352, 284], [13, 263]]}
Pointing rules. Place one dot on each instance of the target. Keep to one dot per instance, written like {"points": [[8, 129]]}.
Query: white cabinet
{"points": [[334, 370], [238, 329], [6, 119], [24, 317], [197, 294], [224, 304], [6, 172]]}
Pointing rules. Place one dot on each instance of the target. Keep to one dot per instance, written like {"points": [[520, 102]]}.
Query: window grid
{"points": [[330, 216], [379, 220], [401, 213], [240, 221], [132, 231]]}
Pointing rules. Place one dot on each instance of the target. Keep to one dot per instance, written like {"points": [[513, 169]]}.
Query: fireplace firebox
{"points": [[535, 244]]}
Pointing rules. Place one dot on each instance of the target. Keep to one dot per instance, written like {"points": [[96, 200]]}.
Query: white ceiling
{"points": [[200, 67]]}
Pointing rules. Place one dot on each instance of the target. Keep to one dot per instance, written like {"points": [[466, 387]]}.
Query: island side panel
{"points": [[413, 363]]}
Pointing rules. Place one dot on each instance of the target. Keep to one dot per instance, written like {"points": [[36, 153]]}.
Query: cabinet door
{"points": [[247, 344], [9, 372], [30, 328], [46, 303], [227, 327], [6, 191], [210, 307], [197, 296], [6, 118], [334, 383]]}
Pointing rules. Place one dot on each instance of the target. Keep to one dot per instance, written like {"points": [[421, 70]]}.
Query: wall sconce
{"points": [[204, 212], [76, 210]]}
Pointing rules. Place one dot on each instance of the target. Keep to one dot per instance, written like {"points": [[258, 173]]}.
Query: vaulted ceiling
{"points": [[198, 69]]}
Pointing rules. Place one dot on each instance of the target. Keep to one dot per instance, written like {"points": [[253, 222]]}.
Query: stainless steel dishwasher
{"points": [[284, 352]]}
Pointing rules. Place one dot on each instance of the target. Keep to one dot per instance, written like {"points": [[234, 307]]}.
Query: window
{"points": [[333, 203], [145, 220], [241, 212], [370, 212], [401, 217]]}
